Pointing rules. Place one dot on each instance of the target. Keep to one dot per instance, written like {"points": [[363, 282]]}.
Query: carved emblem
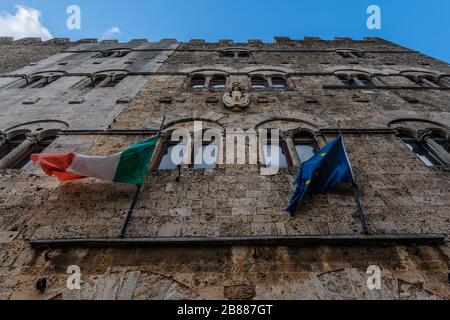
{"points": [[236, 98]]}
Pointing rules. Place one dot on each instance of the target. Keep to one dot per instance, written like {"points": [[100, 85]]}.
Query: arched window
{"points": [[355, 79], [182, 150], [350, 53], [243, 54], [279, 82], [25, 139], [103, 80], [10, 144], [445, 81], [218, 82], [274, 152], [236, 53], [442, 141], [40, 80], [198, 82], [113, 53], [172, 156], [205, 155], [305, 146], [422, 150], [17, 150], [259, 82], [229, 54], [425, 80]]}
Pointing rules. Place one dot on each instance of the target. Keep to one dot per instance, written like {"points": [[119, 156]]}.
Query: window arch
{"points": [[104, 79], [420, 149], [355, 79], [259, 82], [21, 141], [198, 81], [350, 53], [279, 82], [236, 53], [263, 79], [444, 80], [113, 53], [423, 79], [36, 81], [305, 145], [275, 151], [442, 140], [208, 79], [429, 140], [184, 147], [218, 82]]}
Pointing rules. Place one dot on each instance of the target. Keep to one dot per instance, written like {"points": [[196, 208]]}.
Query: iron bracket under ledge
{"points": [[334, 240]]}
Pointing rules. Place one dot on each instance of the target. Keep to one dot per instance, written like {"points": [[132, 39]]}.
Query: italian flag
{"points": [[128, 166]]}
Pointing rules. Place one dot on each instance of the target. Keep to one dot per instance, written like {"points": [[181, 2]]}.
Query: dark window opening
{"points": [[274, 152], [229, 54], [11, 144], [356, 81], [427, 82], [350, 53], [39, 82], [445, 81], [305, 146], [421, 150], [218, 82], [236, 54], [259, 83], [243, 54], [113, 54], [105, 81], [114, 81], [23, 159], [442, 141], [198, 82], [96, 81], [279, 83]]}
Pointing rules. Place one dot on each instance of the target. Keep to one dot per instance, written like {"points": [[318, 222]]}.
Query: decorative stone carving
{"points": [[237, 97]]}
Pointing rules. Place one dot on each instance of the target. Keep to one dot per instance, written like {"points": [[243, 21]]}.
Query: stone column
{"points": [[436, 147], [296, 162], [19, 152]]}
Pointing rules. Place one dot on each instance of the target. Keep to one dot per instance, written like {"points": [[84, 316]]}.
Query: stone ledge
{"points": [[337, 240]]}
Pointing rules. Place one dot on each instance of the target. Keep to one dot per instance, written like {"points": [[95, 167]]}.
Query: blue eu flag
{"points": [[326, 169]]}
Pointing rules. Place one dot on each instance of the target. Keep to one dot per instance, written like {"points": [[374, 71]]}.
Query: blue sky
{"points": [[420, 25]]}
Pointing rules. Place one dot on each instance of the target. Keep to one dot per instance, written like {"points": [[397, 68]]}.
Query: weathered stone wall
{"points": [[398, 192], [18, 54]]}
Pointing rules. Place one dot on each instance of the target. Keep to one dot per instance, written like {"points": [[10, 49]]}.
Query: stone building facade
{"points": [[214, 232]]}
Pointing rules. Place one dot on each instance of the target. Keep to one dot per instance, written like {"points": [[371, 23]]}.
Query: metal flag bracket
{"points": [[136, 196]]}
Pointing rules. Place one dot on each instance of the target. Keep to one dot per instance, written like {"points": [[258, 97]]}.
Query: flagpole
{"points": [[136, 195], [355, 187], [362, 215]]}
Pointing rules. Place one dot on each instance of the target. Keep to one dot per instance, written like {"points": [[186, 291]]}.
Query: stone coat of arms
{"points": [[236, 98]]}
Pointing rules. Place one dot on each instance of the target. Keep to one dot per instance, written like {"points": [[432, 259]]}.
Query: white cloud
{"points": [[112, 33], [25, 23]]}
